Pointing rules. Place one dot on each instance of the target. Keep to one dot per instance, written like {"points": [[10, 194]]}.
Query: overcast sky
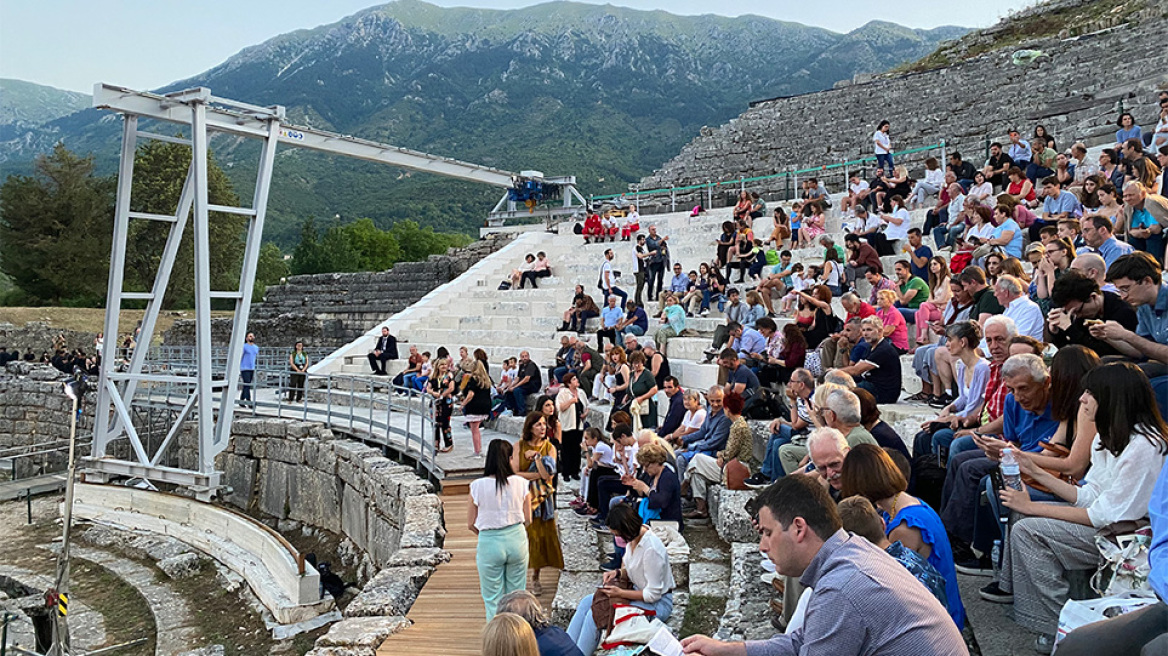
{"points": [[148, 43]]}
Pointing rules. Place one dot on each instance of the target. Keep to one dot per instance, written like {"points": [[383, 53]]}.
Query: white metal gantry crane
{"points": [[205, 113]]}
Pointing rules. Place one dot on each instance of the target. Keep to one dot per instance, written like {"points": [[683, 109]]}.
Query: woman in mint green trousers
{"points": [[499, 512]]}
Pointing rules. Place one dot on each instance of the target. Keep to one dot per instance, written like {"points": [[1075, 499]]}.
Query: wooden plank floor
{"points": [[448, 615]]}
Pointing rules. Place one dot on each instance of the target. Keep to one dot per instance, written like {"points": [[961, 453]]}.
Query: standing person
{"points": [[861, 600], [608, 276], [882, 145], [441, 387], [534, 458], [247, 366], [476, 403], [641, 267], [384, 350], [657, 248], [298, 365], [499, 509], [572, 406], [642, 389]]}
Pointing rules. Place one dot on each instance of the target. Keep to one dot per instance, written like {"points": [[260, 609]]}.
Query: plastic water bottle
{"points": [[1011, 477], [996, 557]]}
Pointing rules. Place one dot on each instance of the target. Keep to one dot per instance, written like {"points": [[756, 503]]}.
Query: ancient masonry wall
{"points": [[34, 416], [333, 309], [1074, 91]]}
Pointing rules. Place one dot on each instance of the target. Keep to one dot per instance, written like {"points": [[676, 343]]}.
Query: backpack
{"points": [[505, 285], [578, 229]]}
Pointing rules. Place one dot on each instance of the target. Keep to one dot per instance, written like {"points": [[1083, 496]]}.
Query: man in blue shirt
{"points": [[919, 254], [1057, 205], [247, 366], [1026, 422], [1138, 279], [678, 286], [635, 321], [610, 317], [1019, 150], [1097, 233], [1142, 631], [711, 437], [748, 342]]}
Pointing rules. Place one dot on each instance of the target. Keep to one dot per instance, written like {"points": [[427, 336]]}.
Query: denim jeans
{"points": [[909, 314], [772, 468], [633, 329], [944, 235], [246, 376]]}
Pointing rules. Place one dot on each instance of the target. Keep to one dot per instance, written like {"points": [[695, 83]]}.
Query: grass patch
{"points": [[125, 611], [92, 319], [702, 615]]}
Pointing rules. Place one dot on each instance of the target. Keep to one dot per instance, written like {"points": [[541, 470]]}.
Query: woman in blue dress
{"points": [[870, 472]]}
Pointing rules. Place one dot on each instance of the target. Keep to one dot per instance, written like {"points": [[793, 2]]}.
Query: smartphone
{"points": [[1092, 322]]}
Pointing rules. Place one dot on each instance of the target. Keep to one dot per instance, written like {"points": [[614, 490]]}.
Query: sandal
{"points": [[920, 397]]}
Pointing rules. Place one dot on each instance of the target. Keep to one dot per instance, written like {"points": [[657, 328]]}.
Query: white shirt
{"points": [[984, 189], [1027, 317], [1160, 137], [630, 466], [606, 268], [648, 567], [858, 187], [983, 232], [632, 219], [935, 177], [893, 231], [881, 142], [498, 509], [568, 417], [694, 420], [1119, 488], [1085, 169], [607, 455]]}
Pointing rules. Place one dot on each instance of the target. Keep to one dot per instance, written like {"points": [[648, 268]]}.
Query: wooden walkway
{"points": [[448, 615]]}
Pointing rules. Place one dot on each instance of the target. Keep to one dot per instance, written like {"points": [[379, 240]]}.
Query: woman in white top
{"points": [[647, 566], [973, 372], [1126, 457], [498, 512], [897, 223], [982, 190], [695, 416], [572, 405], [934, 180]]}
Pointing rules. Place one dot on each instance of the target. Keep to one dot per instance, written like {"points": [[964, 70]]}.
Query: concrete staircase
{"points": [[472, 311]]}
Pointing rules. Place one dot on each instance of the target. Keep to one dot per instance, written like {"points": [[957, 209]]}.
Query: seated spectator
{"points": [[1077, 304], [1011, 295], [695, 416], [551, 639], [858, 191], [1043, 163], [861, 601], [895, 328], [583, 308], [1056, 261], [384, 350], [675, 396], [972, 379], [879, 282], [878, 370], [861, 258], [1126, 457], [1007, 235], [930, 185], [528, 381], [998, 166], [610, 318], [678, 285], [1097, 233], [912, 293], [838, 408], [657, 484], [1057, 204], [541, 268], [711, 437], [1026, 422], [508, 634], [784, 431], [739, 378], [869, 472], [673, 323], [775, 367], [937, 304], [1140, 283], [1144, 220], [859, 516], [886, 436], [705, 470], [646, 565], [635, 321], [517, 275], [951, 219]]}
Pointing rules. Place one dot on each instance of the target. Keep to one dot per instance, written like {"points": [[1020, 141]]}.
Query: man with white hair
{"points": [[1145, 218], [834, 407], [826, 450], [1011, 294], [1026, 422]]}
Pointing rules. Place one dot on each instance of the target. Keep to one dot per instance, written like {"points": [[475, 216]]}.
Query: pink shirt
{"points": [[893, 317]]}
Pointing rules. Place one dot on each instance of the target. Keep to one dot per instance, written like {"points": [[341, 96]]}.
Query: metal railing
{"points": [[374, 410], [788, 181]]}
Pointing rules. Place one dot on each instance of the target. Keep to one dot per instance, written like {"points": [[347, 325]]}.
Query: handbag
{"points": [[602, 606], [1124, 549], [632, 625], [736, 474]]}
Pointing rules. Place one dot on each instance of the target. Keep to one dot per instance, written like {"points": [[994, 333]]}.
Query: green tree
{"points": [[418, 243], [160, 169], [270, 270], [55, 229], [306, 256], [377, 250]]}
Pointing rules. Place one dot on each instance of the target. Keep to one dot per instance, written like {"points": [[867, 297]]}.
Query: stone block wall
{"points": [[1075, 92], [34, 410], [333, 309], [37, 337]]}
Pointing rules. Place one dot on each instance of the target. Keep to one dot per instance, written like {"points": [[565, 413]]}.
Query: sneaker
{"points": [[612, 565], [757, 480], [599, 526], [507, 413], [705, 313], [940, 401], [975, 566], [1044, 644], [995, 594]]}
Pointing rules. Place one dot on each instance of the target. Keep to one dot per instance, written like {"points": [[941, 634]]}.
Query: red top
{"points": [[866, 310]]}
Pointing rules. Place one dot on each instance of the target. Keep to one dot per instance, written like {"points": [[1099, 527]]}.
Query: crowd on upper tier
{"points": [[1032, 306]]}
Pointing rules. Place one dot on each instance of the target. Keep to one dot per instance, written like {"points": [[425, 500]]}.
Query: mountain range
{"points": [[601, 92]]}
